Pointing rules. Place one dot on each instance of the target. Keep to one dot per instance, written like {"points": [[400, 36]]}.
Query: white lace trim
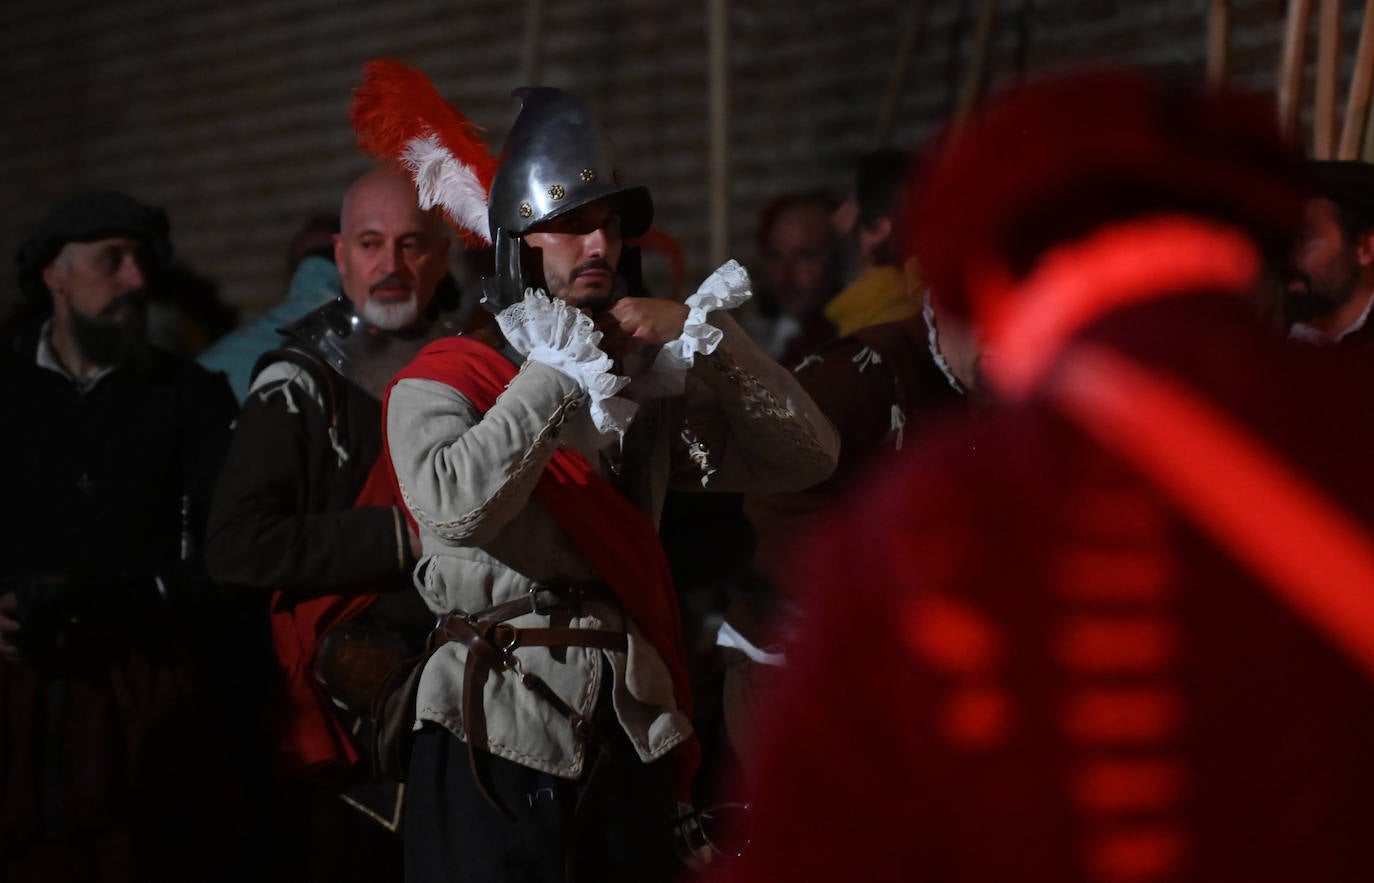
{"points": [[725, 289], [549, 331], [933, 343]]}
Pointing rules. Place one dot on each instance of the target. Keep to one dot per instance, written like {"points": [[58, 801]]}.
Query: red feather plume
{"points": [[395, 110]]}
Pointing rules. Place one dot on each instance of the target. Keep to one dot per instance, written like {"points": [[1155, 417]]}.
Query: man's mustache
{"points": [[593, 264], [390, 281]]}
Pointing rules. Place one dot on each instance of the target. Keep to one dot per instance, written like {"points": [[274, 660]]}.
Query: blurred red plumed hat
{"points": [[1048, 163]]}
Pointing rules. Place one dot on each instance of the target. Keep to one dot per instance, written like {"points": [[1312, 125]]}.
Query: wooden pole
{"points": [[1361, 86], [973, 74], [1218, 36], [718, 24], [1291, 64], [910, 40], [1328, 79], [1023, 39], [1367, 151], [530, 56]]}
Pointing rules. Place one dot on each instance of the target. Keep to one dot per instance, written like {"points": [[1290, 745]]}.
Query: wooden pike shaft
{"points": [[1328, 79], [1218, 37], [973, 74], [1367, 152], [718, 23], [911, 38], [1361, 86], [1291, 64]]}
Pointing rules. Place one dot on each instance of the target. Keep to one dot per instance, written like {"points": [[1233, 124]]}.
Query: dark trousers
{"points": [[620, 832]]}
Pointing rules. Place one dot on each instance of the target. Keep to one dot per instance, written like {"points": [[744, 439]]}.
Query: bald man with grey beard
{"points": [[285, 520]]}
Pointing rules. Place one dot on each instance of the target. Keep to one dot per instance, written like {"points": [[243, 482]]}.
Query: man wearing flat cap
{"points": [[1330, 284], [111, 754]]}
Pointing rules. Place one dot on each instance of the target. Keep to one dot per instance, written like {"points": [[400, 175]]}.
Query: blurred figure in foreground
{"points": [[1117, 624]]}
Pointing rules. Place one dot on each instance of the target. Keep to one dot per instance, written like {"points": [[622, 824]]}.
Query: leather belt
{"points": [[544, 598], [491, 643]]}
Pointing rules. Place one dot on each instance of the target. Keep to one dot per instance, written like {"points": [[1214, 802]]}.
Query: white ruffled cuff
{"points": [[725, 289], [549, 331]]}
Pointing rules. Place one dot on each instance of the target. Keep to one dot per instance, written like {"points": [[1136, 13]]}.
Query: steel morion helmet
{"points": [[556, 159]]}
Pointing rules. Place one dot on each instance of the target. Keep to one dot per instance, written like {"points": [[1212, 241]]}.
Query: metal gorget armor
{"points": [[363, 354]]}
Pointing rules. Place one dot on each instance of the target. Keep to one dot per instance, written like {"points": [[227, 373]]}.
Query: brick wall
{"points": [[235, 115]]}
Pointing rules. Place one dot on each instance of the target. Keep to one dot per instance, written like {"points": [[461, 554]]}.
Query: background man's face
{"points": [[98, 295], [580, 254], [797, 255], [391, 255], [1325, 269]]}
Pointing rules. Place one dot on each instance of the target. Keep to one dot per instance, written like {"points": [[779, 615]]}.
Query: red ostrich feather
{"points": [[399, 116]]}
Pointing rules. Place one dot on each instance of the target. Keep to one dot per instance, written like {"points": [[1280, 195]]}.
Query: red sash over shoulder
{"points": [[619, 540]]}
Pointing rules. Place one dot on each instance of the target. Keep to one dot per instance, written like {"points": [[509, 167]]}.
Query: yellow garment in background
{"points": [[878, 296]]}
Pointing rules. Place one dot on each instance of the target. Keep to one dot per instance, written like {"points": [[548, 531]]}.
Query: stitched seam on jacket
{"points": [[453, 723], [458, 527]]}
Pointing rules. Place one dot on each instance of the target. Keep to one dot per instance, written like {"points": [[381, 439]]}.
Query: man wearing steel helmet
{"points": [[1116, 625], [115, 657], [536, 471]]}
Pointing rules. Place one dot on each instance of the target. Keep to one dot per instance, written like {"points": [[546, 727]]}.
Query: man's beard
{"points": [[1306, 299], [391, 316], [115, 334], [560, 288]]}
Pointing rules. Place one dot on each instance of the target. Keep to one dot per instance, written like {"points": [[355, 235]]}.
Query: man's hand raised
{"points": [[635, 323]]}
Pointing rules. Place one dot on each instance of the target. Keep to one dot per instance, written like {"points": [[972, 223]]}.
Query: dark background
{"points": [[235, 115]]}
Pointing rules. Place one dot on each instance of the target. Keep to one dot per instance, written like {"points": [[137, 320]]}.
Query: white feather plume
{"points": [[444, 181]]}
